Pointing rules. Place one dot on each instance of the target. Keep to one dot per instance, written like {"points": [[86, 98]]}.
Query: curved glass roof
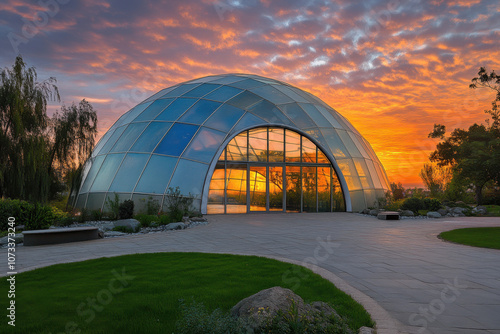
{"points": [[175, 137]]}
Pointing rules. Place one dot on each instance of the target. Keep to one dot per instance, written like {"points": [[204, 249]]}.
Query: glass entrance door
{"points": [[257, 182]]}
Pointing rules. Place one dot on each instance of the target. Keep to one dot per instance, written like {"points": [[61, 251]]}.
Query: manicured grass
{"points": [[487, 237], [85, 295]]}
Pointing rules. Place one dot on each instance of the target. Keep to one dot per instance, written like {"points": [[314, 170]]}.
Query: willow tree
{"points": [[36, 151]]}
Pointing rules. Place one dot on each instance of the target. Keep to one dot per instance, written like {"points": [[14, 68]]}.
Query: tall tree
{"points": [[436, 178], [473, 154], [37, 151]]}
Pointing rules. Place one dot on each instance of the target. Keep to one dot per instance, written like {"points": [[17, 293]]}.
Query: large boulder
{"points": [[134, 224], [18, 238], [175, 226], [374, 212], [407, 213], [443, 212], [256, 311], [433, 214], [482, 210], [458, 211]]}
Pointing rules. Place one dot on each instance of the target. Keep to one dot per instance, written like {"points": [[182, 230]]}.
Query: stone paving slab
{"points": [[425, 284]]}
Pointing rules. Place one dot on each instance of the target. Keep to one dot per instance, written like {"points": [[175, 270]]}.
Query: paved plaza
{"points": [[408, 279]]}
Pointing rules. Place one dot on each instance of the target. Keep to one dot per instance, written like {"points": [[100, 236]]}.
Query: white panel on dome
{"points": [[374, 175]]}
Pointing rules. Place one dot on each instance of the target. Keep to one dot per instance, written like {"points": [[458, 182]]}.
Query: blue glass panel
{"points": [[189, 177], [96, 165], [247, 83], [129, 172], [206, 79], [160, 93], [151, 137], [299, 117], [176, 139], [224, 118], [244, 100], [107, 172], [272, 94], [102, 142], [153, 110], [175, 109], [130, 115], [223, 93], [199, 113], [247, 121], [156, 175], [128, 137], [228, 80], [201, 90], [268, 111], [180, 90], [204, 145], [112, 140]]}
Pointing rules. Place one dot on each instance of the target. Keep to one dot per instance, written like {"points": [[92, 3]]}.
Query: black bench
{"points": [[388, 215], [59, 235]]}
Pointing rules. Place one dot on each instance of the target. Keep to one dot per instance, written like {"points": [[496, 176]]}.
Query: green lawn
{"points": [[487, 237], [87, 296]]}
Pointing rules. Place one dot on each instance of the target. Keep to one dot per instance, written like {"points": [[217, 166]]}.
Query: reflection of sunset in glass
{"points": [[392, 69]]}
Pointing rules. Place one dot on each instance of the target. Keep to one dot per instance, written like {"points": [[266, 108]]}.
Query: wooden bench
{"points": [[388, 215], [59, 235]]}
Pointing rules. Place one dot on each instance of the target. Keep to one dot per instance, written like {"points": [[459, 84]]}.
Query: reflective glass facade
{"points": [[273, 169], [176, 137]]}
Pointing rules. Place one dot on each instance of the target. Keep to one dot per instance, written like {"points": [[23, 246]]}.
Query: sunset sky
{"points": [[393, 68]]}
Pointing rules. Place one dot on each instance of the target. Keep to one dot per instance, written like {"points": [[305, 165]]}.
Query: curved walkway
{"points": [[428, 285]]}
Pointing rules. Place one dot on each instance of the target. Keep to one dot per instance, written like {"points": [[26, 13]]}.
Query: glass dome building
{"points": [[235, 143]]}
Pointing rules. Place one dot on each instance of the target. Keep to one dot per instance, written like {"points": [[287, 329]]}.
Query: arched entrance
{"points": [[269, 169]]}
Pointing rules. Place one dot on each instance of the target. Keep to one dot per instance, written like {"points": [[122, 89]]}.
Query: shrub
{"points": [[177, 205], [96, 214], [414, 204], [432, 204], [146, 220], [32, 216], [126, 209], [196, 319], [113, 205]]}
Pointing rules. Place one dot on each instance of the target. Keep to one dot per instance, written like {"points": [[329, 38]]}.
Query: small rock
{"points": [[100, 234], [175, 226], [407, 213], [130, 223], [442, 212], [106, 226], [366, 330], [433, 214], [113, 234], [374, 212], [457, 210], [481, 209], [18, 238]]}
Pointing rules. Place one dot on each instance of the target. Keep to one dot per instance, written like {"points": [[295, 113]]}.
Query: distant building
{"points": [[236, 143]]}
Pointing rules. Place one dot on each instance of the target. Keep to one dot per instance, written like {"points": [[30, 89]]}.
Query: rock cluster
{"points": [[106, 227], [257, 310], [457, 211]]}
